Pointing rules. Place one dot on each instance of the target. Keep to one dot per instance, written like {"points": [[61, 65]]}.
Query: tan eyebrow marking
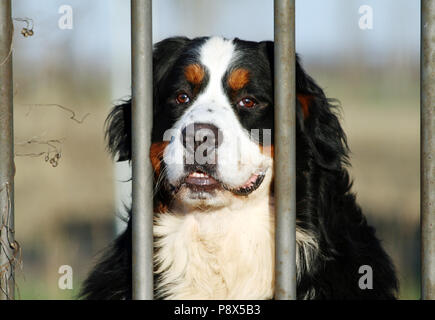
{"points": [[238, 79], [194, 73]]}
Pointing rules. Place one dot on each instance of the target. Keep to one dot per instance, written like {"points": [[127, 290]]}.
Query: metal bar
{"points": [[285, 150], [142, 113], [427, 73], [8, 247]]}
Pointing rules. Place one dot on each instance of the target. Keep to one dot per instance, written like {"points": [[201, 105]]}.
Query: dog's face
{"points": [[212, 137], [217, 101]]}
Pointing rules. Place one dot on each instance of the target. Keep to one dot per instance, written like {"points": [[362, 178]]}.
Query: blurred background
{"points": [[66, 81]]}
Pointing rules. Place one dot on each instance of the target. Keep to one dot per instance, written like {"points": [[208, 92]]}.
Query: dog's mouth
{"points": [[251, 185], [202, 181]]}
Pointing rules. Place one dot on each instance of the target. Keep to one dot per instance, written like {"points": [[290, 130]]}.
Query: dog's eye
{"points": [[247, 103], [182, 98]]}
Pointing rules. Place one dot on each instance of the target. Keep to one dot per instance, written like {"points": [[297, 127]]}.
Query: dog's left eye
{"points": [[182, 98], [247, 103]]}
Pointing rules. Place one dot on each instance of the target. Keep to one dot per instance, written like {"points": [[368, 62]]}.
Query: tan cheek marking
{"points": [[238, 79], [270, 152], [156, 155], [194, 73], [305, 101], [267, 150], [160, 207]]}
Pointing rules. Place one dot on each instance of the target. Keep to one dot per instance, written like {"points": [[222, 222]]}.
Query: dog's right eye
{"points": [[247, 102], [182, 98]]}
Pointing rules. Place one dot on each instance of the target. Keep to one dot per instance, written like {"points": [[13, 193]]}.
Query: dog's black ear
{"points": [[118, 131], [118, 123], [166, 53], [318, 122], [316, 117], [267, 48], [303, 82]]}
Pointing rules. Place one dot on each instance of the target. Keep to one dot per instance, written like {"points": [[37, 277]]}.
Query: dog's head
{"points": [[212, 137]]}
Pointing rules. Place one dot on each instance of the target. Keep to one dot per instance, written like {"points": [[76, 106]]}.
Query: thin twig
{"points": [[73, 114], [52, 148]]}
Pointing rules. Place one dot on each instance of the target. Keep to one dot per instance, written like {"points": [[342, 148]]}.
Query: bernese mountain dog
{"points": [[212, 155]]}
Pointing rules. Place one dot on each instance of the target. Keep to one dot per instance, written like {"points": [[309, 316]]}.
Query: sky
{"points": [[325, 27], [327, 31]]}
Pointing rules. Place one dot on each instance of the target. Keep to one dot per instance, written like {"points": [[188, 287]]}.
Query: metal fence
{"points": [[7, 168], [285, 150], [427, 73], [142, 114], [285, 160]]}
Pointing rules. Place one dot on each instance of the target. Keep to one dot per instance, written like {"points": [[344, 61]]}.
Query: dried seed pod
{"points": [[54, 162], [13, 245], [27, 32]]}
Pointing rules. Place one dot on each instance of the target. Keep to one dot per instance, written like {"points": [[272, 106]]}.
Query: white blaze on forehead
{"points": [[216, 54]]}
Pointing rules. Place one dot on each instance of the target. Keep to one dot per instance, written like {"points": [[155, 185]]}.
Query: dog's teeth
{"points": [[199, 175]]}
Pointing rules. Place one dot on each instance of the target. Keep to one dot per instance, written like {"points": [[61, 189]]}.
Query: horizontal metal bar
{"points": [[142, 174], [427, 149], [7, 167], [285, 150]]}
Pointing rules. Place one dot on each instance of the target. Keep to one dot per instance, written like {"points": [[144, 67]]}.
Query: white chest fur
{"points": [[224, 254]]}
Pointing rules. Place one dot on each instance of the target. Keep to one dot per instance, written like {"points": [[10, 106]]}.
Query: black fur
{"points": [[325, 205]]}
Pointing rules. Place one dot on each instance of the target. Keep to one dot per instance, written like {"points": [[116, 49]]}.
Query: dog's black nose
{"points": [[205, 134], [201, 141]]}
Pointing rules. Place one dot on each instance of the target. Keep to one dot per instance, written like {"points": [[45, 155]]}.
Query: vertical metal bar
{"points": [[285, 150], [427, 73], [7, 168], [142, 113]]}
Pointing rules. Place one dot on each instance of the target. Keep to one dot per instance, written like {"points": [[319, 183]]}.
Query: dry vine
{"points": [[9, 247], [27, 31], [73, 114], [52, 155]]}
